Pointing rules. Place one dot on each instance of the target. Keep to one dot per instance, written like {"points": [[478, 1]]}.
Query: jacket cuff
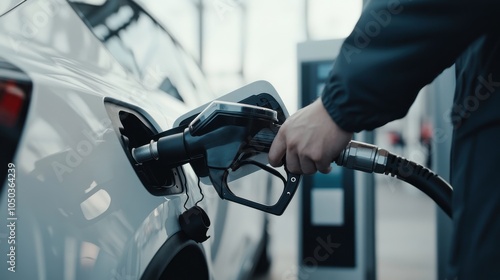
{"points": [[332, 97]]}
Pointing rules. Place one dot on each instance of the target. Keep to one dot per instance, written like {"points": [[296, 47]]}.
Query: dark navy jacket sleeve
{"points": [[396, 48]]}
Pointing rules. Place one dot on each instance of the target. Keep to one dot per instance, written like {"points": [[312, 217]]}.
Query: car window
{"points": [[141, 45]]}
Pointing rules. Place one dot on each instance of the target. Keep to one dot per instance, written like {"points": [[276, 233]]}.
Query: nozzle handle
{"points": [[263, 140], [219, 179]]}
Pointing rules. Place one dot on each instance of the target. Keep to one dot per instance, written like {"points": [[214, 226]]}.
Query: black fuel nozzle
{"points": [[170, 147], [223, 137], [223, 127]]}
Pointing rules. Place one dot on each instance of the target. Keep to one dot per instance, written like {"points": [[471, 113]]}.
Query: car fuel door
{"points": [[135, 127]]}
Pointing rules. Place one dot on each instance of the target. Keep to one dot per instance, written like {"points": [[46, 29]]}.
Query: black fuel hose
{"points": [[368, 158]]}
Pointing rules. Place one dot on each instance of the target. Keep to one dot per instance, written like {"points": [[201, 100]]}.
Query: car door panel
{"points": [[85, 214], [81, 200]]}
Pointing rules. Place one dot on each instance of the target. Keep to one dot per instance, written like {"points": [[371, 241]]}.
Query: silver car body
{"points": [[82, 212]]}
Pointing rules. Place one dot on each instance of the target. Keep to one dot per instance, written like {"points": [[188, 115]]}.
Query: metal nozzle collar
{"points": [[146, 153], [363, 157]]}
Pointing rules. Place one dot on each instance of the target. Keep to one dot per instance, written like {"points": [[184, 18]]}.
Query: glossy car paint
{"points": [[82, 211], [7, 5]]}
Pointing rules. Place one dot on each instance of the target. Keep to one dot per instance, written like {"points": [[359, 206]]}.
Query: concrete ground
{"points": [[405, 235]]}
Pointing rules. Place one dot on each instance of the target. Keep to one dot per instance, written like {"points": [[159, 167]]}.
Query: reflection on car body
{"points": [[83, 210]]}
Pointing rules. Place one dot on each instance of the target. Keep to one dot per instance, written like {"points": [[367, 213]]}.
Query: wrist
{"points": [[324, 109]]}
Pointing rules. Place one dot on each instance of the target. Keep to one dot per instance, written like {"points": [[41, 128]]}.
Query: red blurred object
{"points": [[426, 132], [396, 139], [12, 98]]}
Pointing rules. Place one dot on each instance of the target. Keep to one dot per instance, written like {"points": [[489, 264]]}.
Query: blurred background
{"points": [[238, 42]]}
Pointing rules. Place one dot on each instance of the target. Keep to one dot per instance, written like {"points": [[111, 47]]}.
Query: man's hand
{"points": [[310, 140]]}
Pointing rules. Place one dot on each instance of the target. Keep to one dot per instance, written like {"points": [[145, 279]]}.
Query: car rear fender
{"points": [[178, 258]]}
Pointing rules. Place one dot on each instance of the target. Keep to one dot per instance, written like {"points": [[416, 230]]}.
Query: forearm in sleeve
{"points": [[396, 48]]}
